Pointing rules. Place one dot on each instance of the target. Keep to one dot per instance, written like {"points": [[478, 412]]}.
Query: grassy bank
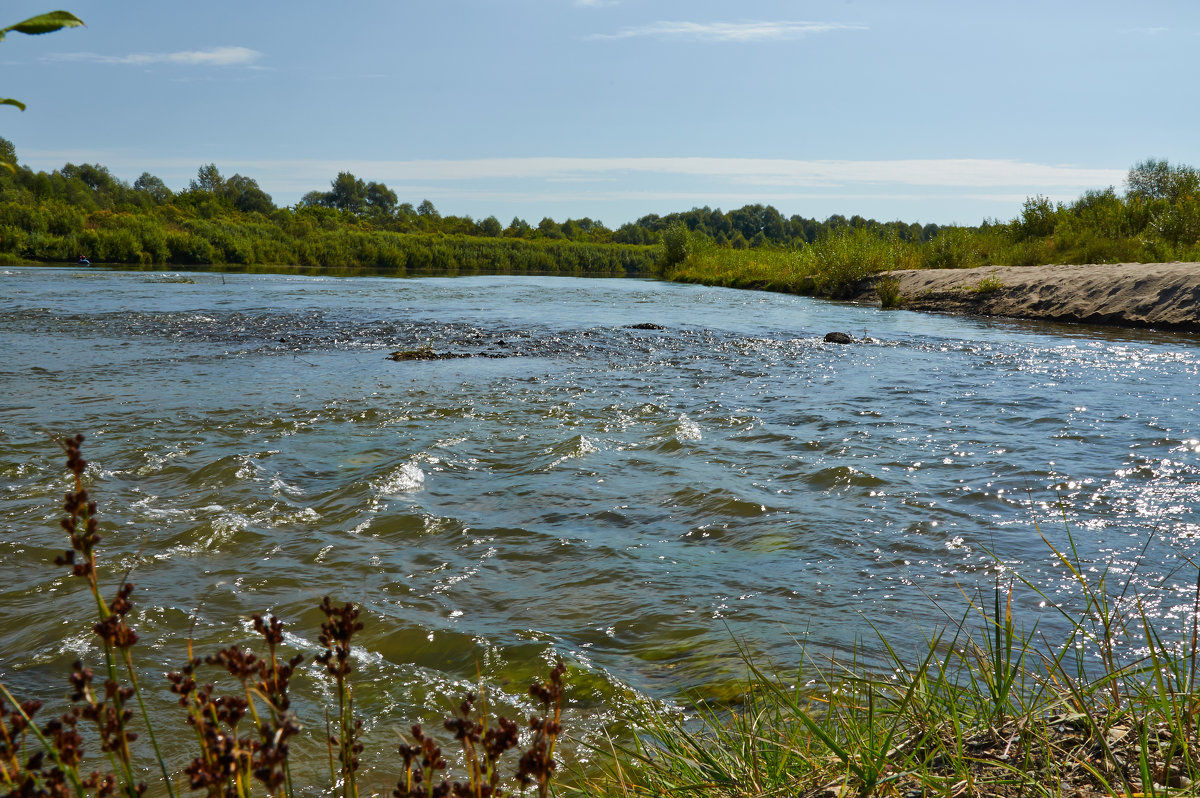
{"points": [[1156, 219], [980, 707]]}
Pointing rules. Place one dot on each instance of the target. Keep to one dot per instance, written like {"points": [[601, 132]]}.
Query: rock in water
{"points": [[838, 338]]}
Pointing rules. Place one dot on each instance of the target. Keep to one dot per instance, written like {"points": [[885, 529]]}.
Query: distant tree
{"points": [[549, 228], [92, 175], [518, 228], [490, 227], [1038, 218], [1158, 180], [315, 199], [380, 198], [208, 180], [427, 211], [8, 153], [348, 193], [247, 196], [153, 186]]}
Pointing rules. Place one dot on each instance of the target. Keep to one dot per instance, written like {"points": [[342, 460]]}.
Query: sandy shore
{"points": [[1161, 295]]}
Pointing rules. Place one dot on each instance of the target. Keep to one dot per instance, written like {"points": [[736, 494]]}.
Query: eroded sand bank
{"points": [[1161, 295]]}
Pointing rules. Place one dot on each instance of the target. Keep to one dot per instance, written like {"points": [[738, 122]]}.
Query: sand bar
{"points": [[1160, 295]]}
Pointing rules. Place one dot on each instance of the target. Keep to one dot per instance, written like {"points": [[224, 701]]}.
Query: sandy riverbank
{"points": [[1160, 295]]}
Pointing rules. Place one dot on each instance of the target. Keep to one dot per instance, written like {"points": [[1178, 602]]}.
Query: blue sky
{"points": [[922, 111]]}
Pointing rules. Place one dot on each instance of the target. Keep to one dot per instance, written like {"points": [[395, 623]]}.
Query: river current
{"points": [[641, 502]]}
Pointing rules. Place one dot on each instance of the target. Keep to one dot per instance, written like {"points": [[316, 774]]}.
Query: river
{"points": [[642, 502]]}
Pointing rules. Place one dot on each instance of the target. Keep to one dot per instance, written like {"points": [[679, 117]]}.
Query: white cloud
{"points": [[215, 56], [930, 189], [729, 31], [969, 174], [945, 173]]}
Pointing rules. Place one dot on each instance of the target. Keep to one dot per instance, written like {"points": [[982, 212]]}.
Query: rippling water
{"points": [[634, 500]]}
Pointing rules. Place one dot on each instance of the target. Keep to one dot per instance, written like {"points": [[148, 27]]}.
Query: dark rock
{"points": [[424, 353], [646, 325], [838, 338]]}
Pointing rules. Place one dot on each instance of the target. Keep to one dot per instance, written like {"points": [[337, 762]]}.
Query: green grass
{"points": [[988, 285], [830, 267], [983, 708]]}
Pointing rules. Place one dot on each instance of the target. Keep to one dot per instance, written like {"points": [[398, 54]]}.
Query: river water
{"points": [[641, 502]]}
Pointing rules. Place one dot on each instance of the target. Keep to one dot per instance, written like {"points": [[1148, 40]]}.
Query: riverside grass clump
{"points": [[242, 737], [983, 709]]}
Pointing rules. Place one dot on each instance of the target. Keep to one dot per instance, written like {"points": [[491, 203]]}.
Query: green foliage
{"points": [[955, 248], [838, 262], [677, 244], [988, 285], [44, 23], [888, 291], [1159, 180], [982, 707], [34, 26], [1038, 218]]}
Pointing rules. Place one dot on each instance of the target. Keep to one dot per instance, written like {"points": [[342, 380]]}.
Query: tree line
{"points": [[85, 209]]}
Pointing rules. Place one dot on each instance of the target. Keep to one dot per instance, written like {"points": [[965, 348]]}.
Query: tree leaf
{"points": [[8, 101], [8, 166], [45, 23]]}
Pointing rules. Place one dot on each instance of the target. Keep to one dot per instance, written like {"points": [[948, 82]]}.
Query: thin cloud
{"points": [[945, 173], [213, 57], [729, 31], [964, 174]]}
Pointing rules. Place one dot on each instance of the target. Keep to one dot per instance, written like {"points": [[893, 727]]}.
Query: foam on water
{"points": [[405, 479]]}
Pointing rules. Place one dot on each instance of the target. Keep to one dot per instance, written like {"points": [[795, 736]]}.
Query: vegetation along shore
{"points": [[362, 227]]}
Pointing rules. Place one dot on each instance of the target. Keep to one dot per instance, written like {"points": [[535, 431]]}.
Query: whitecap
{"points": [[408, 478], [579, 446], [687, 430]]}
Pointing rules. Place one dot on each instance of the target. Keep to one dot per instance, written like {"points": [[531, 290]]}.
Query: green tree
{"points": [[315, 199], [8, 153], [34, 26], [246, 195], [92, 175], [490, 227], [381, 199], [154, 187], [1158, 180], [348, 193], [427, 211], [208, 180], [518, 228]]}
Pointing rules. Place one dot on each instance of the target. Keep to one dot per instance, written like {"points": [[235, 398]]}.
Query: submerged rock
{"points": [[646, 325], [424, 353], [838, 338]]}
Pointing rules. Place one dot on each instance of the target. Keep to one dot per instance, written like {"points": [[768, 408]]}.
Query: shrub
{"points": [[888, 291]]}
